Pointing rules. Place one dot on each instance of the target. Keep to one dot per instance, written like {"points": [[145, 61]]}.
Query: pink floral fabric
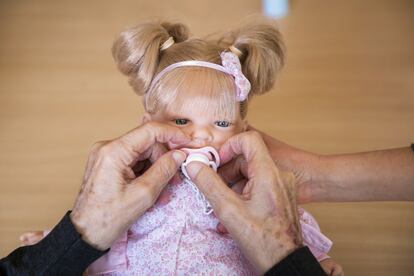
{"points": [[178, 238]]}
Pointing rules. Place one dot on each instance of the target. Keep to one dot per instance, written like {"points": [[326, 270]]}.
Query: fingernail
{"points": [[179, 156], [193, 168]]}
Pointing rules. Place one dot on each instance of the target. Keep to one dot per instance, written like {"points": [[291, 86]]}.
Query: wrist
{"points": [[279, 251], [274, 243], [331, 178], [320, 177], [311, 175], [84, 227]]}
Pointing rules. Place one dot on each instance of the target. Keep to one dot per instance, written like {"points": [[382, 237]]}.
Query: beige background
{"points": [[348, 86]]}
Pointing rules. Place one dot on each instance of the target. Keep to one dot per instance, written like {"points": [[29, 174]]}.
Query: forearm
{"points": [[61, 252], [370, 176]]}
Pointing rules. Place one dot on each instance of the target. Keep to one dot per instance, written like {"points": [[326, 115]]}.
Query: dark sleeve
{"points": [[412, 146], [61, 252], [299, 263]]}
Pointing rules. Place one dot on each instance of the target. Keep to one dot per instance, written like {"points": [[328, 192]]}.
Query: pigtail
{"points": [[137, 53], [261, 53]]}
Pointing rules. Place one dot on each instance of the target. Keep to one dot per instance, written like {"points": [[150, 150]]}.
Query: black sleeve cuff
{"points": [[299, 263], [61, 252], [412, 147]]}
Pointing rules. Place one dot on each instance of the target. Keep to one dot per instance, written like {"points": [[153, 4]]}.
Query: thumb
{"points": [[157, 151], [212, 186], [158, 175]]}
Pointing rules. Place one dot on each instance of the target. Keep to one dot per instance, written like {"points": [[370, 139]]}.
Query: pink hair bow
{"points": [[232, 64]]}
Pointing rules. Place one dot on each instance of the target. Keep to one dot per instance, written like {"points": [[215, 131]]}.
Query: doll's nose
{"points": [[201, 137]]}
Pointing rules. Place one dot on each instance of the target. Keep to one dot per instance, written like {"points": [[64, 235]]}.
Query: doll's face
{"points": [[205, 128], [199, 101]]}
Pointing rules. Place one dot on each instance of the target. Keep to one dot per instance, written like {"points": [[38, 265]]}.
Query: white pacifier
{"points": [[208, 156]]}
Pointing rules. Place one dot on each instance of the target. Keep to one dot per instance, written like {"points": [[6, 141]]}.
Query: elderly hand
{"points": [[114, 194], [263, 219], [306, 166]]}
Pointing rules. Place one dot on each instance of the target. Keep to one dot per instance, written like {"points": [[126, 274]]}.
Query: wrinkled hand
{"points": [[263, 219], [306, 167], [114, 193]]}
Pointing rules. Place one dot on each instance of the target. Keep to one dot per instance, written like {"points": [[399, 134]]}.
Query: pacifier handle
{"points": [[200, 155]]}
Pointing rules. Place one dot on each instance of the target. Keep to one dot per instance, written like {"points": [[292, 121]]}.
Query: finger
{"points": [[140, 139], [221, 197], [31, 235], [240, 188], [30, 238], [158, 175], [145, 160], [28, 242], [248, 144], [92, 158], [251, 147], [156, 151], [234, 170], [153, 153], [278, 147]]}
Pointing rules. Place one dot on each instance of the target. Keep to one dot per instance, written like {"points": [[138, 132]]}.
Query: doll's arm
{"points": [[32, 237]]}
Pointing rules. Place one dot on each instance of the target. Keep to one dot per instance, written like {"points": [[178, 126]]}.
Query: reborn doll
{"points": [[202, 86]]}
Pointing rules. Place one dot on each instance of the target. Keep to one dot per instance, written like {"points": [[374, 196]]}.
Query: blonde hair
{"points": [[137, 52]]}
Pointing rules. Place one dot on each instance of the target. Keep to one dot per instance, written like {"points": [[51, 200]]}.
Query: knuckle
{"points": [[96, 146], [155, 130], [105, 149], [165, 167], [151, 126], [146, 128], [105, 152], [168, 171]]}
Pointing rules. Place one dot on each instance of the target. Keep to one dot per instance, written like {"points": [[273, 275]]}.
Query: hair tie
{"points": [[167, 44], [235, 50]]}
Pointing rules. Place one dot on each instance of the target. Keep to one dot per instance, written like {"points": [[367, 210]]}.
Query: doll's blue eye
{"points": [[222, 123], [181, 121]]}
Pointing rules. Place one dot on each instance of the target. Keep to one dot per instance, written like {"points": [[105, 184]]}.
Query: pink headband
{"points": [[231, 66]]}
